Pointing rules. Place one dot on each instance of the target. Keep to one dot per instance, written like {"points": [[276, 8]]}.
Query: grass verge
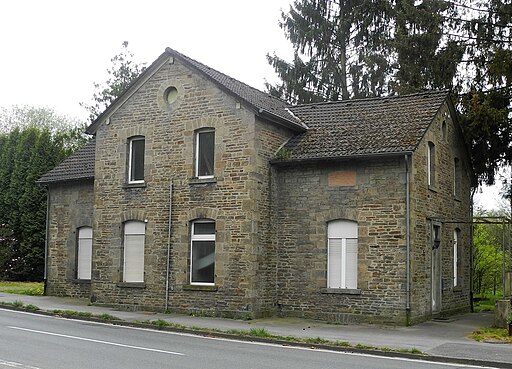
{"points": [[491, 335], [263, 333], [22, 288]]}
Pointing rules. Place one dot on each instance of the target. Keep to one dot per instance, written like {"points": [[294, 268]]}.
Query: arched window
{"points": [[84, 253], [133, 262], [342, 254], [431, 164]]}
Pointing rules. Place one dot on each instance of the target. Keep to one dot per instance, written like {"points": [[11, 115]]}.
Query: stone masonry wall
{"points": [[233, 198], [71, 207], [307, 197], [439, 205]]}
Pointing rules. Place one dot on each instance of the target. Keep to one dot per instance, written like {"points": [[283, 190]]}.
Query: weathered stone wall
{"points": [[233, 198], [439, 205], [71, 207], [308, 196]]}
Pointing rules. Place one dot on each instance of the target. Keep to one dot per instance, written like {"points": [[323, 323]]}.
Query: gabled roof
{"points": [[363, 127], [264, 105], [78, 166]]}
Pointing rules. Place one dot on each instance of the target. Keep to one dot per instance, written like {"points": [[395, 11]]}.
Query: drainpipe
{"points": [[407, 240], [471, 251], [47, 233], [168, 268]]}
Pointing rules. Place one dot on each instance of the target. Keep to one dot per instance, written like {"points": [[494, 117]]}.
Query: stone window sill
{"points": [[81, 281], [131, 284], [457, 289], [432, 188], [134, 185], [199, 181], [194, 287], [341, 291]]}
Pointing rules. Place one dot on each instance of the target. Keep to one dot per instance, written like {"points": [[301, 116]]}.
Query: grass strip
{"points": [[263, 333]]}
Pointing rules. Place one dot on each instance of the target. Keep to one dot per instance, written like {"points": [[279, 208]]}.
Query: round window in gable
{"points": [[170, 95]]}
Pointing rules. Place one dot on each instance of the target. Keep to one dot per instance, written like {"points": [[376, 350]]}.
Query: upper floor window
{"points": [[133, 261], [136, 159], [202, 252], [84, 253], [205, 147], [457, 177], [342, 254], [431, 164]]}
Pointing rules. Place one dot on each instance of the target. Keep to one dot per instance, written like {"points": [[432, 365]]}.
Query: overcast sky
{"points": [[53, 51]]}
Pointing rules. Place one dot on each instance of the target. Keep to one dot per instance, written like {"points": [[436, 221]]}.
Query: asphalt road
{"points": [[31, 341]]}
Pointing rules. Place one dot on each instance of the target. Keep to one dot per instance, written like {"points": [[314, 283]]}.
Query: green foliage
{"points": [[30, 146], [123, 71], [368, 48], [488, 256]]}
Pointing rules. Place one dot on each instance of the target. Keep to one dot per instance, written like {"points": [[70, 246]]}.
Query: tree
{"points": [[123, 71], [32, 141], [365, 48]]}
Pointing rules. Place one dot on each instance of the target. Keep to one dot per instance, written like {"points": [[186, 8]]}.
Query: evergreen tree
{"points": [[31, 148]]}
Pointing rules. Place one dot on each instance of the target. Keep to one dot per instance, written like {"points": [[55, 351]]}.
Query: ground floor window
{"points": [[133, 261], [342, 254], [202, 252], [84, 253]]}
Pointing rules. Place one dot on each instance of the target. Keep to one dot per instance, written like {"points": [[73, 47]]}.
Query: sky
{"points": [[53, 51]]}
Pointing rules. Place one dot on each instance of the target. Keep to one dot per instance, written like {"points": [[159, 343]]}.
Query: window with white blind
{"points": [[205, 148], [202, 252], [456, 259], [342, 254], [84, 253], [133, 262]]}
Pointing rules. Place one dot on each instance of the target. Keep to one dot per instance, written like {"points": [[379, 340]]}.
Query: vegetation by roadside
{"points": [[262, 333], [484, 302], [22, 288], [491, 335]]}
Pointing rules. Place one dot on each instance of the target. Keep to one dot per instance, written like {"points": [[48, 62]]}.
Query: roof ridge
{"points": [[228, 76], [365, 99]]}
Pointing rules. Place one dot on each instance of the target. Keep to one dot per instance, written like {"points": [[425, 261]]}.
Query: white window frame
{"points": [[84, 253], [198, 151], [456, 237], [200, 237], [133, 255], [130, 159], [342, 254]]}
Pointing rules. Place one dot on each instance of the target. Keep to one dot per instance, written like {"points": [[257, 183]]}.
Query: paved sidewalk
{"points": [[437, 338]]}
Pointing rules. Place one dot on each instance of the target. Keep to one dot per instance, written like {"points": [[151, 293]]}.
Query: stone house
{"points": [[200, 194]]}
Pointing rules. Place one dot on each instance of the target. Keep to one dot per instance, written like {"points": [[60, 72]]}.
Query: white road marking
{"points": [[97, 341], [12, 364]]}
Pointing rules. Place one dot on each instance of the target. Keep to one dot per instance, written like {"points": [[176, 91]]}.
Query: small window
{"points": [[136, 160], [84, 253], [205, 147], [456, 258], [444, 130], [457, 178], [133, 262], [431, 164], [202, 252], [342, 254]]}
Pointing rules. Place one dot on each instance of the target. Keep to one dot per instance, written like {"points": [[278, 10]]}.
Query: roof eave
{"points": [[295, 126], [132, 88], [341, 158]]}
